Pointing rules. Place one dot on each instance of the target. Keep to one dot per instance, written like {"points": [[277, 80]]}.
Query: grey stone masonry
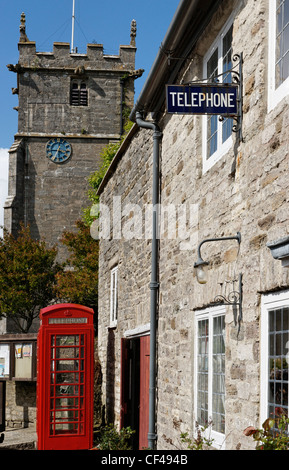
{"points": [[44, 88], [245, 190], [80, 98]]}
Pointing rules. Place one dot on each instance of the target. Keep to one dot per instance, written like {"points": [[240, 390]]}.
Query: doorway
{"points": [[135, 360]]}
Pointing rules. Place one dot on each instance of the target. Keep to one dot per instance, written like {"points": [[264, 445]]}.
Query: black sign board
{"points": [[202, 99]]}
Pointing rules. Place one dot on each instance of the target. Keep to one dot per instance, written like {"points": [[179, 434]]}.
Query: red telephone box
{"points": [[65, 347]]}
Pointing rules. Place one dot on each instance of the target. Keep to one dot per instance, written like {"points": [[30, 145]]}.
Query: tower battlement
{"points": [[94, 59], [61, 56]]}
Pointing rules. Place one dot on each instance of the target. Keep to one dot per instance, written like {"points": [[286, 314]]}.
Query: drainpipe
{"points": [[154, 285]]}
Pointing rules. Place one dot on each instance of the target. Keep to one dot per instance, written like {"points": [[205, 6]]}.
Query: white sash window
{"points": [[113, 296], [210, 372], [274, 354], [278, 52], [217, 135]]}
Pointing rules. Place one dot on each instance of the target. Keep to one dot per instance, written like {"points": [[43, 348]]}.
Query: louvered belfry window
{"points": [[78, 94]]}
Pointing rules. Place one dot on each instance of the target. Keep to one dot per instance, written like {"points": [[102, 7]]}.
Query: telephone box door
{"points": [[65, 378]]}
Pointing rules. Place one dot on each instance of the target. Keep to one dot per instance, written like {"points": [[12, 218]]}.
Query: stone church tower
{"points": [[71, 105]]}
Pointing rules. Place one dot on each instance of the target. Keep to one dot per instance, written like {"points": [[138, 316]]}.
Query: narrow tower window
{"points": [[78, 94]]}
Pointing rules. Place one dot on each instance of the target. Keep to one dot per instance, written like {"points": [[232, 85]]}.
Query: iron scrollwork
{"points": [[237, 79], [236, 75], [233, 298]]}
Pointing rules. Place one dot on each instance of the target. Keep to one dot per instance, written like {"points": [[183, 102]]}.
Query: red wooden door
{"points": [[144, 391]]}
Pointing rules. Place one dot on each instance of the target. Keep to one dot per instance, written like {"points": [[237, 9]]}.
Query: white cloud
{"points": [[3, 183]]}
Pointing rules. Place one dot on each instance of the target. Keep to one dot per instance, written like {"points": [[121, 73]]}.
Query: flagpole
{"points": [[72, 34]]}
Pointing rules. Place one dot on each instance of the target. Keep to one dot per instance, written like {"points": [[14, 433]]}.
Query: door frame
{"points": [[134, 399]]}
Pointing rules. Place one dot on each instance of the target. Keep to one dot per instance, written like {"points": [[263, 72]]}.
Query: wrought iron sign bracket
{"points": [[236, 73], [237, 79]]}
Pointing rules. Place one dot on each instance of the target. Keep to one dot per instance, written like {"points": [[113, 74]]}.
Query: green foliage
{"points": [[78, 282], [111, 439], [274, 433], [200, 442], [96, 178], [27, 277]]}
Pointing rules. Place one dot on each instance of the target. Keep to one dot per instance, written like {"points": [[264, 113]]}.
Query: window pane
{"points": [[278, 360], [212, 66], [227, 55], [212, 130], [285, 70], [286, 12], [113, 295], [227, 127], [202, 374], [212, 135], [282, 42], [218, 398], [278, 320], [227, 124], [286, 319]]}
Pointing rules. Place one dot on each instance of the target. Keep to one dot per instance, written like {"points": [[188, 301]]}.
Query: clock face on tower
{"points": [[58, 150]]}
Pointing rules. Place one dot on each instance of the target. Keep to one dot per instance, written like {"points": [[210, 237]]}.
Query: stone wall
{"points": [[133, 259], [51, 197], [245, 191], [20, 404], [55, 195]]}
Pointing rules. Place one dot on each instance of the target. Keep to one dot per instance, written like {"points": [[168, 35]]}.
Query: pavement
{"points": [[19, 439]]}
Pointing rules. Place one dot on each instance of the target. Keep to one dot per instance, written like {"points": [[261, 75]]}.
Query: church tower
{"points": [[70, 106]]}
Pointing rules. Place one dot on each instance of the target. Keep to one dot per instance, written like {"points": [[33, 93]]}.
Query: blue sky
{"points": [[105, 22]]}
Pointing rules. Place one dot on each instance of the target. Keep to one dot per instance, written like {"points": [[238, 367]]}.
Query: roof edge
{"points": [[187, 24]]}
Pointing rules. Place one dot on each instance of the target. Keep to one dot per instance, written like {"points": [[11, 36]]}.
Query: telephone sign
{"points": [[65, 378], [202, 99]]}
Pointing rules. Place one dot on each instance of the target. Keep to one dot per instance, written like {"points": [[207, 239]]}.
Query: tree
{"points": [[27, 277], [78, 282]]}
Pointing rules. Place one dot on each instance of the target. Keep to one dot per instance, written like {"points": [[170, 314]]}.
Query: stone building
{"points": [[173, 351], [71, 106]]}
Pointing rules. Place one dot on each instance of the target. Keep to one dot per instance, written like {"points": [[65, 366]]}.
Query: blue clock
{"points": [[58, 150]]}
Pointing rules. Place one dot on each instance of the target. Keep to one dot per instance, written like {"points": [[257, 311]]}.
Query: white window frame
{"points": [[208, 314], [113, 296], [269, 302], [275, 95], [222, 148]]}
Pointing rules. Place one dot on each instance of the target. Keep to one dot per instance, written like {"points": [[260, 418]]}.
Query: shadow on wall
{"points": [[25, 397]]}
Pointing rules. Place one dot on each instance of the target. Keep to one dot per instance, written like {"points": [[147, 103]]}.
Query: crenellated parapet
{"points": [[94, 59], [62, 57], [47, 83]]}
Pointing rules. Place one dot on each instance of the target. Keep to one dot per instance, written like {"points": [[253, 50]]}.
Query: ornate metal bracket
{"points": [[233, 298], [237, 79], [236, 74]]}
